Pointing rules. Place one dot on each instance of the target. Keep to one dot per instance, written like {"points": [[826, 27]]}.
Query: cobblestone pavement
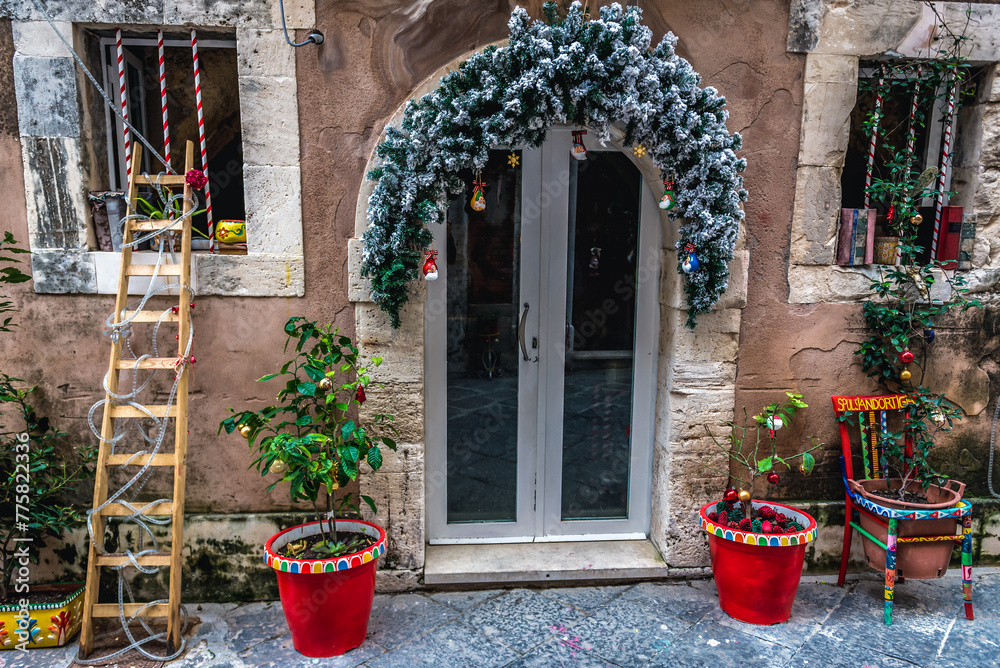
{"points": [[647, 624]]}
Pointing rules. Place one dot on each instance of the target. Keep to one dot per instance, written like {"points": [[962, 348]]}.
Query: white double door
{"points": [[540, 351]]}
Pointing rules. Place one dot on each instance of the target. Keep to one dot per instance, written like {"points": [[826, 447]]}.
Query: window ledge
{"points": [[812, 284], [96, 272], [509, 563]]}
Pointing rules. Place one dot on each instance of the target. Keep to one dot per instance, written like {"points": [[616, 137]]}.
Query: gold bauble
{"points": [[245, 431], [278, 467], [325, 384], [905, 374], [916, 220], [744, 495]]}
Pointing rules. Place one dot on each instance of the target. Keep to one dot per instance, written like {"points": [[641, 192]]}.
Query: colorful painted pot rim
{"points": [[71, 595], [332, 564], [807, 534]]}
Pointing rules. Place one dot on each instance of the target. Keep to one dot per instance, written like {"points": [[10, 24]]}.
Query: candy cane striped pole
{"points": [[945, 170], [201, 134], [912, 134], [124, 98], [871, 147], [163, 99]]}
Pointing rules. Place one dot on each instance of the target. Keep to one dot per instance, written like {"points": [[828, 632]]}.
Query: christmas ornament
{"points": [[731, 495], [906, 356], [744, 495], [690, 264], [774, 422], [478, 201], [278, 467], [325, 384], [905, 375], [196, 179], [756, 525], [773, 478], [594, 266], [359, 396], [765, 526], [723, 517], [513, 160], [579, 151], [938, 416], [767, 513], [430, 265], [245, 431], [929, 335], [745, 524], [639, 150], [889, 215], [916, 220], [667, 200], [808, 464]]}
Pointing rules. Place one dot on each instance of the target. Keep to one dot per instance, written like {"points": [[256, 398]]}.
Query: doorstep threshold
{"points": [[507, 563]]}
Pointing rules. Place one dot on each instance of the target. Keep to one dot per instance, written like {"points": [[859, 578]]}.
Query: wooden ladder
{"points": [[178, 458]]}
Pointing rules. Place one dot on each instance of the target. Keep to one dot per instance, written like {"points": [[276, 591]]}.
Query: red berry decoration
{"points": [[713, 516], [745, 524], [196, 179], [773, 478], [731, 495], [906, 356], [766, 526], [359, 396]]}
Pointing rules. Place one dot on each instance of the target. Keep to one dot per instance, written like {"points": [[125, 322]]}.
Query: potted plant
{"points": [[35, 483], [325, 568], [906, 305], [168, 204], [758, 548]]}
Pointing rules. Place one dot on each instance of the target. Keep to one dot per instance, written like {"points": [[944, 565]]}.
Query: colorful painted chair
{"points": [[870, 414]]}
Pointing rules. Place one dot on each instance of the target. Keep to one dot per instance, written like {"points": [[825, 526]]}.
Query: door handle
{"points": [[520, 333]]}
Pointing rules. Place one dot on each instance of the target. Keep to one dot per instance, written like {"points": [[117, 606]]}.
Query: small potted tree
{"points": [[758, 548], [37, 480], [325, 568]]}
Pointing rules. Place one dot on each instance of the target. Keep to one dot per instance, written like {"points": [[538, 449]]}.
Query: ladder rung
{"points": [[148, 363], [111, 610], [118, 510], [153, 224], [158, 559], [152, 316], [148, 269], [132, 412], [140, 460], [163, 180]]}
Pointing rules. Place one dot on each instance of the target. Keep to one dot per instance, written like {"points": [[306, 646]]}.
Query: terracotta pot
{"points": [[920, 561], [327, 602], [885, 250], [48, 624], [758, 574]]}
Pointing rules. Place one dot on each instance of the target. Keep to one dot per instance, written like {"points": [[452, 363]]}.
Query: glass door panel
{"points": [[603, 233]]}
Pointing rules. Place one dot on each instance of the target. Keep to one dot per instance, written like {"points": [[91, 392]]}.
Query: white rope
{"points": [[993, 439]]}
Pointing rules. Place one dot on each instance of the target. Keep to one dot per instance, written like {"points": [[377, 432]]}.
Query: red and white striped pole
{"points": [[124, 98], [912, 134], [945, 172], [871, 147], [201, 134], [163, 99]]}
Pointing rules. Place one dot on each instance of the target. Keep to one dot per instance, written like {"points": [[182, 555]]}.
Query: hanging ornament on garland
{"points": [[639, 151], [478, 202], [594, 266], [513, 160], [905, 357], [929, 335], [690, 264], [430, 265], [579, 151], [667, 201], [916, 220]]}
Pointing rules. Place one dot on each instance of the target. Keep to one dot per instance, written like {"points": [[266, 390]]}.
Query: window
{"points": [[896, 133], [220, 104]]}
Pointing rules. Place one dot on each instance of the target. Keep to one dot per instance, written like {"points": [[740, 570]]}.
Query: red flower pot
{"points": [[327, 602], [758, 574]]}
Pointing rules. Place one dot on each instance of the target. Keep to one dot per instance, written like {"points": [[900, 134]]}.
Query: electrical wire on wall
{"points": [[315, 37]]}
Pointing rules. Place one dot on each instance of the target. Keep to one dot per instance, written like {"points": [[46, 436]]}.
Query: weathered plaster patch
{"points": [[243, 13], [146, 12], [35, 38], [54, 192], [63, 272], [803, 25], [46, 96]]}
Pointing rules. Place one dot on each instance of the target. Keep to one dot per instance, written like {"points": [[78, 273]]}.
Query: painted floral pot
{"points": [[231, 231], [49, 624], [920, 560], [758, 574], [327, 602]]}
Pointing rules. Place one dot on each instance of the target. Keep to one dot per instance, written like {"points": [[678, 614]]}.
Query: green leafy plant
{"points": [[156, 211], [309, 435], [9, 274], [744, 442]]}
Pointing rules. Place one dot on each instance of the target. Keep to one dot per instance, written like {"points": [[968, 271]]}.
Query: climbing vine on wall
{"points": [[570, 70]]}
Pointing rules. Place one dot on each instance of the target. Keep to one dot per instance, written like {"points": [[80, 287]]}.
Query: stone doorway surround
{"points": [[695, 383], [834, 35]]}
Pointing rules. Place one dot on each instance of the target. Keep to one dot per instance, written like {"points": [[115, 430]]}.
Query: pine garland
{"points": [[571, 71]]}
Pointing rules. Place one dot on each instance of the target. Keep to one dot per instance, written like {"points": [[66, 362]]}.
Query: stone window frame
{"points": [[55, 145], [835, 39], [695, 385]]}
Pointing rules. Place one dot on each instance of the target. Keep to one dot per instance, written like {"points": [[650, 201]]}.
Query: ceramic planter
{"points": [[49, 624], [758, 574], [885, 250], [327, 602], [917, 560]]}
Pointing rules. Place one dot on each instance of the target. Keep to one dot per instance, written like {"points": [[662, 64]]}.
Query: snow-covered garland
{"points": [[570, 71]]}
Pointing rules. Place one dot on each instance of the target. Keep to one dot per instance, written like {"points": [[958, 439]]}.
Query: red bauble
{"points": [[359, 396], [731, 495], [906, 357], [773, 478]]}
